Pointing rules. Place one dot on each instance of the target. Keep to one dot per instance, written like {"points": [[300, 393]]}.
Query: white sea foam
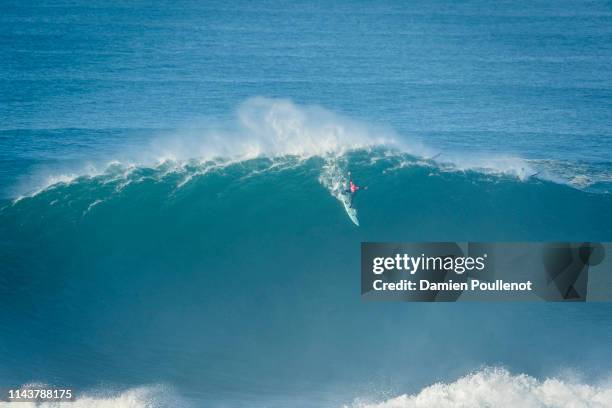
{"points": [[487, 388], [264, 127], [496, 387], [45, 183], [92, 205], [334, 176], [489, 164], [273, 128]]}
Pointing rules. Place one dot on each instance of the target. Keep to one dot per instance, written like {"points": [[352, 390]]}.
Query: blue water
{"points": [[167, 211]]}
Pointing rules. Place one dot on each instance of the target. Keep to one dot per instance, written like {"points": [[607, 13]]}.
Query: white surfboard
{"points": [[352, 213]]}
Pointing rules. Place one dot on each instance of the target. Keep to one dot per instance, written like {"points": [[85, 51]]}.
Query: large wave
{"points": [[216, 247], [396, 180]]}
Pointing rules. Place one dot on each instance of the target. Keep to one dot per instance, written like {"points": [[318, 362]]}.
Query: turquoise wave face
{"points": [[421, 198], [238, 279]]}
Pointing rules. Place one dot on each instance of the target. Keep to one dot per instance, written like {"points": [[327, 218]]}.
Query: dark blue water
{"points": [[160, 224]]}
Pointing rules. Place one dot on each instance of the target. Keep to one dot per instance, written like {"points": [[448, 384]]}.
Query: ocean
{"points": [[171, 231]]}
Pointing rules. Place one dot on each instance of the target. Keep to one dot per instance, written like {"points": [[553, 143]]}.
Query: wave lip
{"points": [[496, 387]]}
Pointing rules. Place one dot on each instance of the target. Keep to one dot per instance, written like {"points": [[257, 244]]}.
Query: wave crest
{"points": [[278, 129], [496, 387]]}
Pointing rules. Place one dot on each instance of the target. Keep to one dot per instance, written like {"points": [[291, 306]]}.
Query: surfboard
{"points": [[352, 213]]}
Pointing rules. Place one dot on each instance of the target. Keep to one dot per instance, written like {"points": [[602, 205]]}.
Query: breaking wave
{"points": [[278, 128], [496, 387], [487, 388]]}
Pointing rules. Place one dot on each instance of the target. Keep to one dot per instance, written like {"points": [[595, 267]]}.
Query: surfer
{"points": [[353, 188]]}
